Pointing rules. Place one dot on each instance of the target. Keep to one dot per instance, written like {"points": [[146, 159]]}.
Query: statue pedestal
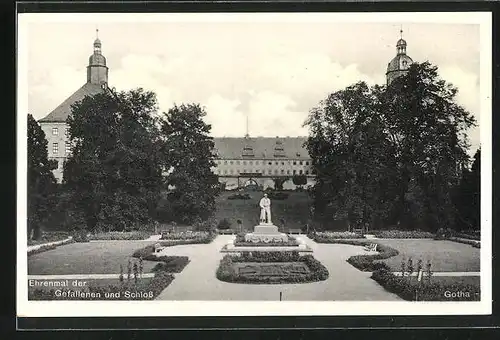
{"points": [[266, 233]]}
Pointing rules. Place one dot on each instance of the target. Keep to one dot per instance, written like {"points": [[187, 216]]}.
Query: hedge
{"points": [[158, 283], [433, 291], [49, 236], [402, 234], [47, 247], [225, 271], [366, 262], [329, 236], [121, 236]]}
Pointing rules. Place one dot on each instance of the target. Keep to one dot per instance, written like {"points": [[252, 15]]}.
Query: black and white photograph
{"points": [[182, 164]]}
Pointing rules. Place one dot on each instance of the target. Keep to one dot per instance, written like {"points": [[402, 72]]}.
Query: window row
{"points": [[55, 148], [55, 131], [269, 171], [262, 162]]}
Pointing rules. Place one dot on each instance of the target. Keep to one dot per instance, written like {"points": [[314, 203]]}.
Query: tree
{"points": [[41, 180], [352, 157], [467, 199], [428, 129], [189, 154], [299, 180], [114, 171], [279, 181]]}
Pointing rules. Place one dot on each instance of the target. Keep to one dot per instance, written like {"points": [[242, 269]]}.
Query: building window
{"points": [[294, 172], [288, 172], [238, 162], [66, 132], [307, 172], [230, 162], [307, 163], [225, 162], [251, 163], [55, 131], [282, 163], [276, 163], [294, 163], [225, 172], [270, 163], [300, 172], [282, 171], [300, 163], [244, 162], [276, 171], [68, 147], [55, 148]]}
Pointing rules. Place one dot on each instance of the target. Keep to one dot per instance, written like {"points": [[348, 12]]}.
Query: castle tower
{"points": [[400, 64], [97, 71]]}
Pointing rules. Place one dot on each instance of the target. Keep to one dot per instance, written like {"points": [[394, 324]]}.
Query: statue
{"points": [[265, 210]]}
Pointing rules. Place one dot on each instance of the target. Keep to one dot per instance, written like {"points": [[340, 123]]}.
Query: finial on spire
{"points": [[401, 31], [97, 33]]}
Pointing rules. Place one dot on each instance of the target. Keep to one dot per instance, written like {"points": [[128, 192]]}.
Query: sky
{"points": [[273, 71]]}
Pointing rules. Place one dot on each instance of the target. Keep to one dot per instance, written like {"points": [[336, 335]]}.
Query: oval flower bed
{"points": [[240, 242], [271, 268]]}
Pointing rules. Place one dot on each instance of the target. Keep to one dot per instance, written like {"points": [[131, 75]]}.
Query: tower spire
{"points": [[97, 33]]}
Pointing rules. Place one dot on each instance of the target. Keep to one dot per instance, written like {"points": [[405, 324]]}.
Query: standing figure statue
{"points": [[265, 210]]}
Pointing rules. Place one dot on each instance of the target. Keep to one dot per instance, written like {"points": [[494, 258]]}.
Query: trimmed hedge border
{"points": [[402, 234], [47, 247], [158, 283], [240, 242], [426, 291], [120, 236], [366, 262], [150, 248], [225, 271]]}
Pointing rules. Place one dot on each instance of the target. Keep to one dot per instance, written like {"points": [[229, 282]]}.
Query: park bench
{"points": [[226, 232], [371, 247], [158, 247], [294, 231]]}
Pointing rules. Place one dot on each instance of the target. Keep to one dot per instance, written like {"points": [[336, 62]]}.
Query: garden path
{"points": [[198, 282]]}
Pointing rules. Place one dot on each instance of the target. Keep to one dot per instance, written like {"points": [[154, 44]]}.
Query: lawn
{"points": [[445, 256], [87, 258], [294, 210]]}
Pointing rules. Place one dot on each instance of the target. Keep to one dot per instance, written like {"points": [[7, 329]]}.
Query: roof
{"points": [[261, 147], [61, 113], [394, 64]]}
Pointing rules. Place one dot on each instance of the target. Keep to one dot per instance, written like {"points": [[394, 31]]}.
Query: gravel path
{"points": [[198, 282]]}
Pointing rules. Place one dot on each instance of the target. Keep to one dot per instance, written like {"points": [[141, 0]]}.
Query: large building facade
{"points": [[54, 124], [243, 161]]}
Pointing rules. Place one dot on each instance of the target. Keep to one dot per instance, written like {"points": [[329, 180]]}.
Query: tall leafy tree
{"points": [[467, 199], [428, 130], [189, 155], [41, 180], [351, 156], [114, 171]]}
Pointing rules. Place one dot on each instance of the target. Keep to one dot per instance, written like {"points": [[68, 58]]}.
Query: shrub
{"points": [[80, 236], [170, 264], [120, 235], [224, 224], [239, 197], [225, 271], [209, 225], [158, 283], [402, 234], [328, 236], [194, 236], [278, 195], [433, 291]]}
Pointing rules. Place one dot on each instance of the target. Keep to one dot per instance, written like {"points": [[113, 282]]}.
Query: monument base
{"points": [[266, 233]]}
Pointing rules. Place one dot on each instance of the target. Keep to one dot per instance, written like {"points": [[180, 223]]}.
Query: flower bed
{"points": [[227, 272], [432, 291], [46, 247], [240, 242], [121, 236], [120, 291], [191, 236], [402, 234], [474, 243], [331, 236], [49, 236]]}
